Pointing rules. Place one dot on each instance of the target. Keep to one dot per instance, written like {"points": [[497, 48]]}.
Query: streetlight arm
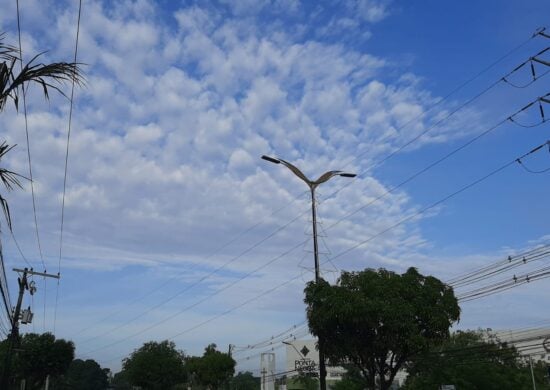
{"points": [[297, 172], [330, 174], [293, 168], [271, 159], [326, 176], [296, 349]]}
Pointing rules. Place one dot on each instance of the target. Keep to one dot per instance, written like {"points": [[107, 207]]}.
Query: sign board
{"points": [[447, 387], [305, 365]]}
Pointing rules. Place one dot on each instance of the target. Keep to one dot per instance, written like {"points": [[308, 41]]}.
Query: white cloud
{"points": [[164, 164]]}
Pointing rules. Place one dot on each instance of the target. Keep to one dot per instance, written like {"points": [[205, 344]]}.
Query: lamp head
{"points": [[271, 159]]}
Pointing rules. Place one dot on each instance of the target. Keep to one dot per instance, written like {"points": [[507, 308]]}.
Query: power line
{"points": [[521, 259], [372, 237], [244, 303], [393, 153], [437, 203], [477, 271], [223, 246], [437, 162], [207, 276], [423, 210], [530, 170], [440, 160], [290, 332], [4, 288], [446, 97], [274, 347], [505, 284], [202, 300], [28, 141], [531, 61], [66, 166], [380, 162], [19, 249], [511, 264]]}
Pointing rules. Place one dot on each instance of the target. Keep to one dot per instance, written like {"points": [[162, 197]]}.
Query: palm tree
{"points": [[12, 83], [9, 179]]}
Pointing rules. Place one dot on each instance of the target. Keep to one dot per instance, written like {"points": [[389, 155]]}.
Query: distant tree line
{"points": [[39, 356], [154, 366], [375, 323], [159, 365]]}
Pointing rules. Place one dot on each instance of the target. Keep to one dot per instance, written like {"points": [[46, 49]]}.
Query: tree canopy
{"points": [[473, 360], [155, 366], [85, 375], [377, 320], [40, 355], [245, 381], [213, 369]]}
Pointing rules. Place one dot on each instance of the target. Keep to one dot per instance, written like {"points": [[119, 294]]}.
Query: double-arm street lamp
{"points": [[313, 184]]}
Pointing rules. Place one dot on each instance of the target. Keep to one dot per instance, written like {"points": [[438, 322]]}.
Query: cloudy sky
{"points": [[173, 225]]}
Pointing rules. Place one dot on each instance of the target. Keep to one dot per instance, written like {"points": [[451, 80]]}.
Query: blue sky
{"points": [[169, 202]]}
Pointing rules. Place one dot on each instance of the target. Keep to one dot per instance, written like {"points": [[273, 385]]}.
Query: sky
{"points": [[174, 228]]}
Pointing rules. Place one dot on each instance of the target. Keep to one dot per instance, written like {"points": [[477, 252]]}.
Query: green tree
{"points": [[245, 381], [39, 356], [351, 380], [120, 381], [213, 369], [85, 375], [472, 360], [302, 382], [377, 320], [155, 366]]}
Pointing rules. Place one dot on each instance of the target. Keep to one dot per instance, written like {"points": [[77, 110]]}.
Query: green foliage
{"points": [[120, 381], [352, 380], [377, 319], [470, 361], [48, 76], [213, 369], [303, 382], [39, 355], [155, 366], [12, 83], [85, 375], [245, 381], [9, 179]]}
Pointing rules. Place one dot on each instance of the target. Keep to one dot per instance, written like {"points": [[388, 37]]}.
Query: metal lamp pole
{"points": [[313, 184]]}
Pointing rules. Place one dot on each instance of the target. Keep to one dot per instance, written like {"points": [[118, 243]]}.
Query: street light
{"points": [[313, 184], [293, 346]]}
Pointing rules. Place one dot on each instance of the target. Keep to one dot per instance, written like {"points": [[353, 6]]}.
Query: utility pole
{"points": [[313, 184], [230, 350], [14, 335]]}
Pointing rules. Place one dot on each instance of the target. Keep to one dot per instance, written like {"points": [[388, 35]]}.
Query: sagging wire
{"points": [[531, 62], [539, 101], [522, 164]]}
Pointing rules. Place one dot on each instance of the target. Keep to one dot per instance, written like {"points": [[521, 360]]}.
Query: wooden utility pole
{"points": [[14, 335]]}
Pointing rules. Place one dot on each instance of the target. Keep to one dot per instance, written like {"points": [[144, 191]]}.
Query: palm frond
{"points": [[6, 211], [7, 52], [9, 179], [48, 76]]}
